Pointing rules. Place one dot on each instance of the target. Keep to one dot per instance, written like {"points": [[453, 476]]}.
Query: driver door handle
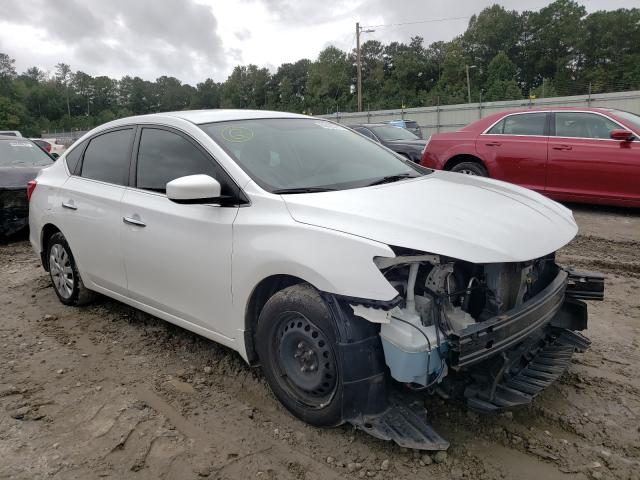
{"points": [[70, 205], [134, 221]]}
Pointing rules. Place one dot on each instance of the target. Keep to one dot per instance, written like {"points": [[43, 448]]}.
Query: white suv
{"points": [[346, 271]]}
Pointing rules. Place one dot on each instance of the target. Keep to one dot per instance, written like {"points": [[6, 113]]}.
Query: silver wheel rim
{"points": [[61, 271], [465, 171]]}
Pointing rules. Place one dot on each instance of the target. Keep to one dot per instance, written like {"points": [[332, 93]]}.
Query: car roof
{"points": [[485, 122], [14, 138], [213, 115], [369, 125]]}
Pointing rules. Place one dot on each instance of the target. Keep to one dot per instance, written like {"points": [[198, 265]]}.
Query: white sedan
{"points": [[351, 275]]}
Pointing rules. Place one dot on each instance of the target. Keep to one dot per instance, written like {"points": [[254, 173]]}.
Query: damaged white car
{"points": [[355, 278]]}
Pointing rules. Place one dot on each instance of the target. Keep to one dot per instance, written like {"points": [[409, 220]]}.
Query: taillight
{"points": [[47, 147], [31, 186]]}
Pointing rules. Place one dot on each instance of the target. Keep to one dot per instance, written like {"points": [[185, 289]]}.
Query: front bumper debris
{"points": [[518, 378], [14, 210], [503, 362], [403, 422]]}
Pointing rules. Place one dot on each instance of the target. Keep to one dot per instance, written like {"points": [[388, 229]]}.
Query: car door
{"points": [[584, 162], [89, 212], [515, 149], [177, 256]]}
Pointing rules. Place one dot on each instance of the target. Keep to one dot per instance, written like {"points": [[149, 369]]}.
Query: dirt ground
{"points": [[106, 391]]}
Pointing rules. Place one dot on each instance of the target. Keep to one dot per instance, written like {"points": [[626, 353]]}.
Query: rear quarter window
{"points": [[73, 157], [107, 157]]}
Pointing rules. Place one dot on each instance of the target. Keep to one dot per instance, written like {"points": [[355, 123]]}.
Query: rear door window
{"points": [[107, 157], [366, 132], [525, 124], [164, 156], [497, 129], [583, 125], [21, 152], [73, 157]]}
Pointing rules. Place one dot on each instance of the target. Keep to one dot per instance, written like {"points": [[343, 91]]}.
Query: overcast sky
{"points": [[196, 39]]}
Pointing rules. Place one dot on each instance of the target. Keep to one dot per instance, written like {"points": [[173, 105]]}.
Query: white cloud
{"points": [[196, 39]]}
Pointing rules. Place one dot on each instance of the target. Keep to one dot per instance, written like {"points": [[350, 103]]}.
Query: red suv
{"points": [[589, 155]]}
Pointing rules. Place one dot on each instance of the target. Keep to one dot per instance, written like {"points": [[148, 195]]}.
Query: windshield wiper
{"points": [[284, 191], [391, 178]]}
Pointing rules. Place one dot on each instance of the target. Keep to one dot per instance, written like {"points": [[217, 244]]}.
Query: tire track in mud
{"points": [[597, 253], [147, 352]]}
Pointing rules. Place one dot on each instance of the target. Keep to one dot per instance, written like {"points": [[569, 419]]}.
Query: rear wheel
{"points": [[296, 342], [64, 274], [470, 168]]}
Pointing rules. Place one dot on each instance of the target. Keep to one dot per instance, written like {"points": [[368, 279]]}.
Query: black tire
{"points": [[296, 333], [64, 274], [470, 168]]}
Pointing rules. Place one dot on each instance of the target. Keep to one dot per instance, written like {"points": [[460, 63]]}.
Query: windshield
{"points": [[390, 133], [299, 153], [629, 117], [22, 152]]}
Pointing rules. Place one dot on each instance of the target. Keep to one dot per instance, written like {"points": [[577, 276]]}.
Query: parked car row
{"points": [[20, 161], [297, 242], [398, 139], [587, 155]]}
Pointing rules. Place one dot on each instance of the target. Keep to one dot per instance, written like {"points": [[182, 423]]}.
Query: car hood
{"points": [[469, 218], [18, 176]]}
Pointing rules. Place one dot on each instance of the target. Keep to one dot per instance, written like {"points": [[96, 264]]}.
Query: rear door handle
{"points": [[493, 144], [562, 147], [70, 205], [134, 221]]}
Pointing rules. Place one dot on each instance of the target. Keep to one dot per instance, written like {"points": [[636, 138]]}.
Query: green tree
{"points": [[330, 85], [492, 31], [7, 74], [550, 42], [501, 79], [289, 86], [207, 95], [11, 115], [64, 77], [452, 87]]}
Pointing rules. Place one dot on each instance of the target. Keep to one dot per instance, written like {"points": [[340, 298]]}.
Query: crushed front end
{"points": [[494, 334], [14, 210]]}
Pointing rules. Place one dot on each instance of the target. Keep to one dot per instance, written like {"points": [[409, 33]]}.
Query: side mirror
{"points": [[194, 189], [55, 156], [620, 134]]}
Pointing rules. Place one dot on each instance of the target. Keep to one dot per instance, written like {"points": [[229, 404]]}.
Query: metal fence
{"points": [[452, 117]]}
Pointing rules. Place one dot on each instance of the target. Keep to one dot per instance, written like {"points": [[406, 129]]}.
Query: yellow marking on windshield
{"points": [[237, 134]]}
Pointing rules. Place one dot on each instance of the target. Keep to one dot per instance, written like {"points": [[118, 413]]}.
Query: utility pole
{"points": [[359, 30], [468, 84], [467, 67], [359, 66]]}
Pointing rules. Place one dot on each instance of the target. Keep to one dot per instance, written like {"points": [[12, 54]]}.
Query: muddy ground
{"points": [[106, 391]]}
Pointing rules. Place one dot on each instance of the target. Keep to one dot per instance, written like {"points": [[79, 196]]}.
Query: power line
{"points": [[383, 25]]}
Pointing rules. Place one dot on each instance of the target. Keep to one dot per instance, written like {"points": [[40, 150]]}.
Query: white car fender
{"points": [[267, 242]]}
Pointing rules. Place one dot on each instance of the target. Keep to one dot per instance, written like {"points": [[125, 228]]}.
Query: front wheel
{"points": [[64, 274], [296, 342], [470, 168]]}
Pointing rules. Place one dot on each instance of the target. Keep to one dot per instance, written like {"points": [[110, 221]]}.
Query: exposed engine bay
{"points": [[497, 334], [458, 316]]}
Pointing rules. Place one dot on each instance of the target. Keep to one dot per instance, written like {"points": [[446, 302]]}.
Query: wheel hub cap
{"points": [[61, 271], [306, 360]]}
